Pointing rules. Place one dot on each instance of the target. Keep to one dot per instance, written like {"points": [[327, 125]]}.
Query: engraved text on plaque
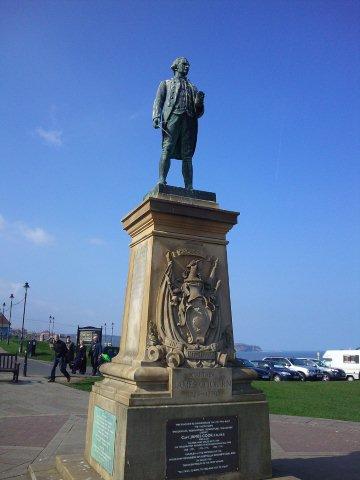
{"points": [[103, 438], [201, 446]]}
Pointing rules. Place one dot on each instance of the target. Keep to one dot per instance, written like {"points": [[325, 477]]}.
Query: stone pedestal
{"points": [[174, 404]]}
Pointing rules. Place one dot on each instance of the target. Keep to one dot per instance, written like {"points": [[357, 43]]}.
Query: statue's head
{"points": [[181, 65]]}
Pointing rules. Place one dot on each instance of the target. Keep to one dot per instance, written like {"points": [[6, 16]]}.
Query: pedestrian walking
{"points": [[60, 352], [80, 359], [95, 353], [70, 351]]}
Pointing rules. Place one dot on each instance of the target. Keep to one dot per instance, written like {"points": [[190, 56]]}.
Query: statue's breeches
{"points": [[179, 141]]}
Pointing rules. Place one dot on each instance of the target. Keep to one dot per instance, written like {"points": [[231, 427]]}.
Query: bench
{"points": [[9, 363]]}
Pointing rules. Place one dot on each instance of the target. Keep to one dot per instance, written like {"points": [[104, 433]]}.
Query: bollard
{"points": [[25, 364]]}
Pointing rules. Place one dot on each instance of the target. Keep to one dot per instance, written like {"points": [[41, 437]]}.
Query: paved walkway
{"points": [[315, 448], [37, 421], [36, 424]]}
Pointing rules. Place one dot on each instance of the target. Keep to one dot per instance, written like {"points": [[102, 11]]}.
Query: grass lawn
{"points": [[335, 400], [43, 351], [85, 384]]}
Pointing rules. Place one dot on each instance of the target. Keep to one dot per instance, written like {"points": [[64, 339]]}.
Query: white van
{"points": [[347, 360]]}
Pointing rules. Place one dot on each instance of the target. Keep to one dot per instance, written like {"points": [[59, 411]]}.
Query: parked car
{"points": [[277, 373], [347, 360], [296, 365], [329, 373], [263, 374]]}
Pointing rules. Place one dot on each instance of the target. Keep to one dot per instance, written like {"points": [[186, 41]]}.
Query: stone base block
{"points": [[43, 472], [145, 448], [170, 190], [74, 467]]}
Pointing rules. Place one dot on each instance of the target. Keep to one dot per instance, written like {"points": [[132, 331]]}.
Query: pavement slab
{"points": [[32, 431], [315, 435], [38, 419]]}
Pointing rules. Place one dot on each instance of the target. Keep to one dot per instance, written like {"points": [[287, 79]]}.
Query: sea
{"points": [[252, 355]]}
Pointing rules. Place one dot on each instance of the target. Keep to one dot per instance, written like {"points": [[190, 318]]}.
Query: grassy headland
{"points": [[335, 400], [43, 351]]}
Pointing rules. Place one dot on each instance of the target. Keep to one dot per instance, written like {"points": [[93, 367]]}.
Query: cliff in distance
{"points": [[243, 347]]}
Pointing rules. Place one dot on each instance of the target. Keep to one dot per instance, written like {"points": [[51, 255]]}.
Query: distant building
{"points": [[16, 332], [4, 326]]}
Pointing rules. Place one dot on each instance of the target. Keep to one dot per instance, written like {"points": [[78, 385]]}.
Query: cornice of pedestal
{"points": [[167, 217]]}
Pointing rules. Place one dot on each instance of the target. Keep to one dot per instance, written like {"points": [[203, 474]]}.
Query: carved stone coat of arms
{"points": [[189, 329]]}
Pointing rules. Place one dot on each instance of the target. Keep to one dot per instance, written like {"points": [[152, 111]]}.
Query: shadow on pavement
{"points": [[344, 467]]}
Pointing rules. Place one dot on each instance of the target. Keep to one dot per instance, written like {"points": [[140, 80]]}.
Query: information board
{"points": [[86, 336], [201, 446], [103, 438]]}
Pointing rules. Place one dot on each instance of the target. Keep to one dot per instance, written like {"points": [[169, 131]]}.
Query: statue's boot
{"points": [[164, 167], [187, 171]]}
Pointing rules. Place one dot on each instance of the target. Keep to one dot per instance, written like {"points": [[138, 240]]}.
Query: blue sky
{"points": [[279, 142]]}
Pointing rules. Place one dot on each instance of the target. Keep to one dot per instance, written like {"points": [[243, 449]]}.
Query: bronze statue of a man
{"points": [[177, 106]]}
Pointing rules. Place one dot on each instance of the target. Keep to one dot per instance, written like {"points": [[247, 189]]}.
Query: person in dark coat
{"points": [[70, 351], [60, 352], [95, 353], [80, 359]]}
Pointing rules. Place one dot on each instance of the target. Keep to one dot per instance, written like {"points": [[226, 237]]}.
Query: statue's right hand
{"points": [[156, 122]]}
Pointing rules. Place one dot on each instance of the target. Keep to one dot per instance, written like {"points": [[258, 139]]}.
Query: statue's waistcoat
{"points": [[167, 98]]}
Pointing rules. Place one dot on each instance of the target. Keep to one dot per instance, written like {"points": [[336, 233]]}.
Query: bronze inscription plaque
{"points": [[201, 446]]}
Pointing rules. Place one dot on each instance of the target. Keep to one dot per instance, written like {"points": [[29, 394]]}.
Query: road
{"points": [[39, 367]]}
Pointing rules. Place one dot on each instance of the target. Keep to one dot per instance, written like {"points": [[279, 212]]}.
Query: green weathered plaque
{"points": [[103, 438]]}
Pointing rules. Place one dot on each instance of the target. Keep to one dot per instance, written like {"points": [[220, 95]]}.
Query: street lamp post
{"points": [[112, 331], [11, 302], [26, 286], [51, 318], [53, 327], [105, 333]]}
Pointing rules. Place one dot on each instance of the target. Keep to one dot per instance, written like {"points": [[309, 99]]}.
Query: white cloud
{"points": [[14, 230], [50, 137], [36, 235], [7, 287], [134, 116], [97, 241]]}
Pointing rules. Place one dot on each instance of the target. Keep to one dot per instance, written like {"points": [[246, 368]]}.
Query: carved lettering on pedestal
{"points": [[202, 384]]}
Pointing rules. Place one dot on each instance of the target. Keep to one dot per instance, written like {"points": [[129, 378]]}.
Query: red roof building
{"points": [[4, 325]]}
